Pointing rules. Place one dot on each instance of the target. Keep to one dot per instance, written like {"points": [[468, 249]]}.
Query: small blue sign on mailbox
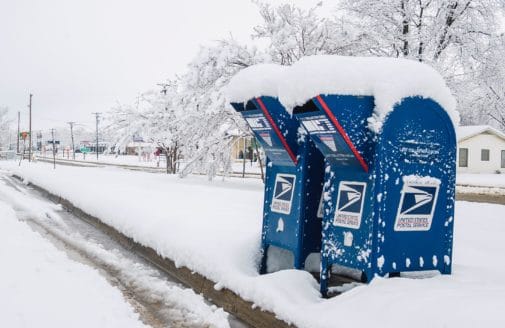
{"points": [[293, 184]]}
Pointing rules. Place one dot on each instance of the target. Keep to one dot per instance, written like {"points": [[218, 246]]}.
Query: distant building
{"points": [[481, 149], [91, 145], [243, 146], [140, 147]]}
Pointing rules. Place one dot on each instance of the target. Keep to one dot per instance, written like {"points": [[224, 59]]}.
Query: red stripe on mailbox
{"points": [[277, 131], [342, 132]]}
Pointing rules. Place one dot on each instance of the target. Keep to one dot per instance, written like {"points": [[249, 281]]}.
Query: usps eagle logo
{"points": [[416, 208], [283, 193], [350, 199]]}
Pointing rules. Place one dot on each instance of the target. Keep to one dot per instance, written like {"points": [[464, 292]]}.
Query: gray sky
{"points": [[79, 57]]}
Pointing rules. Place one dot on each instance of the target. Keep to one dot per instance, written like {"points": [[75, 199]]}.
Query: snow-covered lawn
{"points": [[133, 160], [41, 287], [481, 180], [214, 228]]}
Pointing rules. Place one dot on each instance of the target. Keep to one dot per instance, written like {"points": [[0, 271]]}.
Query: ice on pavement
{"points": [[214, 228]]}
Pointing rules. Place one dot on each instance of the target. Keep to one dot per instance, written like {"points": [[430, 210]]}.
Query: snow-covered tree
{"points": [[293, 32], [156, 116], [488, 90], [4, 126], [209, 117], [454, 36]]}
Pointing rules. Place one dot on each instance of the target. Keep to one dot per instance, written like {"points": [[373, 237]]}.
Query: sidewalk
{"points": [[214, 228], [41, 287]]}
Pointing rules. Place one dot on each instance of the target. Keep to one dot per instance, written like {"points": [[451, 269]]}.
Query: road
{"points": [[160, 301]]}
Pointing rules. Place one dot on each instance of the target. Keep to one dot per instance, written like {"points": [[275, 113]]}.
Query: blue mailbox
{"points": [[293, 183], [388, 197]]}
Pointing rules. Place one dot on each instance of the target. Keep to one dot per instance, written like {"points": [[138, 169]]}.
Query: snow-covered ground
{"points": [[160, 302], [41, 287], [481, 180], [132, 160], [488, 180], [214, 228]]}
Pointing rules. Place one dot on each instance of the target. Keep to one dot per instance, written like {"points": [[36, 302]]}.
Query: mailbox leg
{"points": [[324, 277], [264, 254], [299, 261]]}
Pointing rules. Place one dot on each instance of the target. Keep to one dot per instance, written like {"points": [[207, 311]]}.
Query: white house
{"points": [[481, 149]]}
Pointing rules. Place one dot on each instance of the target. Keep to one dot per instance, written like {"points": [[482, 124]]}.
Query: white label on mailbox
{"points": [[258, 122], [417, 205], [317, 125], [350, 199], [283, 193]]}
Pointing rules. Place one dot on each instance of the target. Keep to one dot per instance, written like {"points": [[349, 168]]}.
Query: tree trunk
{"points": [[167, 159], [174, 159]]}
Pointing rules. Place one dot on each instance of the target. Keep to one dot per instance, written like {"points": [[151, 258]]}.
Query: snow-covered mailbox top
{"points": [[294, 174], [386, 129]]}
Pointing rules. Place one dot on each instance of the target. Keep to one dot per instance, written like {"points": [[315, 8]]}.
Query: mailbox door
{"points": [[282, 206], [348, 219], [416, 175], [292, 197]]}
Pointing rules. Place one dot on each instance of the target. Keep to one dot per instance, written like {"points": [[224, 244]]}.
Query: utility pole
{"points": [[17, 144], [30, 131], [72, 136], [97, 118], [54, 153]]}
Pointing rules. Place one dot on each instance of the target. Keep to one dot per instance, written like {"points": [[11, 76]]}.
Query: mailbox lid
{"points": [[274, 129], [338, 126], [416, 174]]}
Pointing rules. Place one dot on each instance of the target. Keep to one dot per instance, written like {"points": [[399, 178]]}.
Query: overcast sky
{"points": [[79, 57]]}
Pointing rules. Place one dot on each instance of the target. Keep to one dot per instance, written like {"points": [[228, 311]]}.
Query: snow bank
{"points": [[215, 230], [481, 179], [41, 287], [255, 81]]}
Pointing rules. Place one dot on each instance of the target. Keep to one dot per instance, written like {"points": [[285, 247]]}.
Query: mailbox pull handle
{"points": [[276, 129], [342, 132]]}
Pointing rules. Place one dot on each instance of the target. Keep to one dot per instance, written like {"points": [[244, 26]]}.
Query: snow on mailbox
{"points": [[294, 172], [386, 130]]}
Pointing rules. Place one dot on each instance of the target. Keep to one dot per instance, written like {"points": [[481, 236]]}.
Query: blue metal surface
{"points": [[391, 211], [293, 181]]}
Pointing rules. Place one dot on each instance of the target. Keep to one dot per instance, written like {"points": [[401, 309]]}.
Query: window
{"points": [[463, 157], [484, 155], [503, 159]]}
